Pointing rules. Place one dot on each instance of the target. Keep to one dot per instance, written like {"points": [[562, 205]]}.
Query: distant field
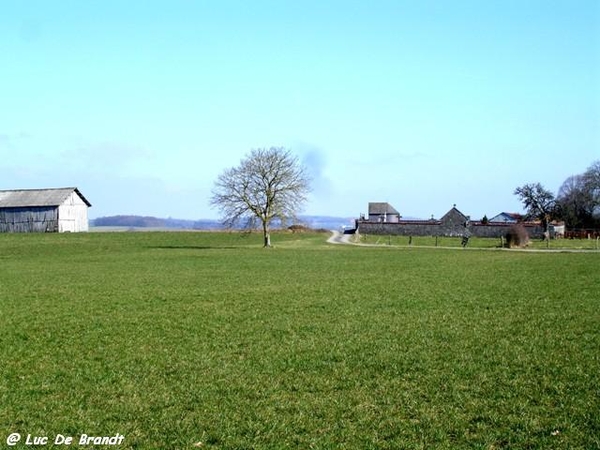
{"points": [[206, 340]]}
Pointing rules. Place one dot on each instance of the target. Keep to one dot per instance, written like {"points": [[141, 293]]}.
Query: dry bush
{"points": [[298, 228], [517, 237]]}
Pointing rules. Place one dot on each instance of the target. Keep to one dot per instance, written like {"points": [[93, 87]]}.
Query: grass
{"points": [[186, 340], [475, 242]]}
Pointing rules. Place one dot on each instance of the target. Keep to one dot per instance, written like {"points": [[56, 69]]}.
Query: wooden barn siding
{"points": [[73, 215], [39, 219]]}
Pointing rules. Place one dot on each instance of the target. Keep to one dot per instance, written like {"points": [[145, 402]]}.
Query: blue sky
{"points": [[142, 104]]}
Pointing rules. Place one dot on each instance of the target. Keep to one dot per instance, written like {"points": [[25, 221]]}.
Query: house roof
{"points": [[454, 213], [37, 197], [381, 208], [515, 216], [507, 215]]}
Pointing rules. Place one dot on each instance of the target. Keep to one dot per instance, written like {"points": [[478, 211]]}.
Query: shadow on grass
{"points": [[198, 247]]}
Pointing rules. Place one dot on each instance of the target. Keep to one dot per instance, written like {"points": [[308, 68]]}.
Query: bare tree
{"points": [[574, 202], [268, 184], [592, 184], [578, 199], [538, 201]]}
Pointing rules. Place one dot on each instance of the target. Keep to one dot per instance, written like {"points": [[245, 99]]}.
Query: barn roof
{"points": [[37, 197], [381, 208]]}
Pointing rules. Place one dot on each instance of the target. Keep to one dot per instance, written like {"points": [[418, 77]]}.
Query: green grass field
{"points": [[205, 340]]}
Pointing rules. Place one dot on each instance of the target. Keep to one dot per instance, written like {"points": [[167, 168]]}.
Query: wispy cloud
{"points": [[315, 160]]}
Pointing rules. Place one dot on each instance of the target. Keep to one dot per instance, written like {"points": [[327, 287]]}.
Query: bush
{"points": [[298, 228], [517, 237]]}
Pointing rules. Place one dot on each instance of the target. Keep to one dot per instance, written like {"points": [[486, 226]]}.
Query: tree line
{"points": [[577, 202]]}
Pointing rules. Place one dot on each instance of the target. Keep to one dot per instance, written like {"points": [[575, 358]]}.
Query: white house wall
{"points": [[73, 215], [384, 218]]}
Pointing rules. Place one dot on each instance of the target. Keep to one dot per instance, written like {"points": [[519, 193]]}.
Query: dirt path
{"points": [[338, 238]]}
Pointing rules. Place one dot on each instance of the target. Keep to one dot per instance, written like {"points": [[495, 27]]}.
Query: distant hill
{"points": [[131, 221], [326, 222]]}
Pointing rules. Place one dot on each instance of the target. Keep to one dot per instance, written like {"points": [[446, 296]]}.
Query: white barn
{"points": [[43, 210]]}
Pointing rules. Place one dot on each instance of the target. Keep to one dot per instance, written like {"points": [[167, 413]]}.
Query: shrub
{"points": [[298, 228], [517, 237]]}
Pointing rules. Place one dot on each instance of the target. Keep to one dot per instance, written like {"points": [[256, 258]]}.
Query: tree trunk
{"points": [[267, 235]]}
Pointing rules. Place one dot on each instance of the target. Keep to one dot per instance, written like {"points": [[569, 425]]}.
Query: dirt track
{"points": [[338, 238]]}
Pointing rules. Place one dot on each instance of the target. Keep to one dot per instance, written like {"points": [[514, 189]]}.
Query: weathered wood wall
{"points": [[42, 219]]}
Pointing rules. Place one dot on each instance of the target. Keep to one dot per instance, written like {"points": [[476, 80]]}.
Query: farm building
{"points": [[453, 223], [505, 217], [43, 210], [383, 212]]}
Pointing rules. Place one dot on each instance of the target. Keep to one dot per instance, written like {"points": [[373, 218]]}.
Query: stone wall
{"points": [[446, 228], [535, 231]]}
